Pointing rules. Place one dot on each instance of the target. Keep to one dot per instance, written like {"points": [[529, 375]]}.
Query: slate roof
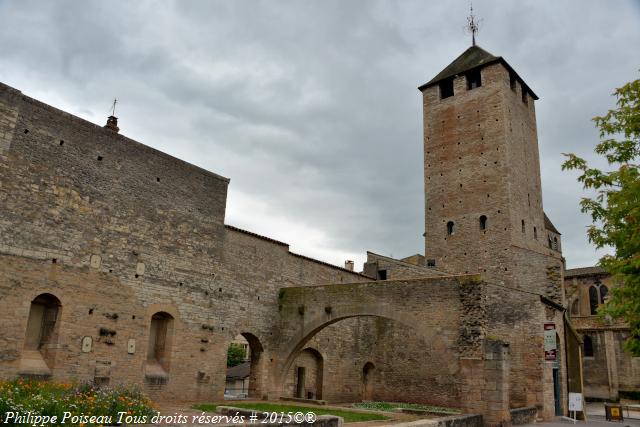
{"points": [[549, 225], [583, 271], [473, 57]]}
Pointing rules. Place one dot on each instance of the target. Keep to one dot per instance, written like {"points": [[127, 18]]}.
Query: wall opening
{"points": [[523, 226], [306, 377], [159, 349], [588, 346], [593, 299], [535, 233], [245, 368], [446, 88], [474, 79], [368, 372], [450, 228], [483, 222], [512, 80], [41, 336]]}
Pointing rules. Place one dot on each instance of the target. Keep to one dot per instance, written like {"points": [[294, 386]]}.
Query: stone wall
{"points": [[118, 232]]}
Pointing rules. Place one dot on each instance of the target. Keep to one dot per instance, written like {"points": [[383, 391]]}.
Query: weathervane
{"points": [[473, 25], [113, 108]]}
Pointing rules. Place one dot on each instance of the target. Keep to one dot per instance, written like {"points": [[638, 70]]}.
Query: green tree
{"points": [[235, 355], [615, 208]]}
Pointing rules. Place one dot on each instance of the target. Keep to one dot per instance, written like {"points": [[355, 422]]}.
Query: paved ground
{"points": [[593, 421]]}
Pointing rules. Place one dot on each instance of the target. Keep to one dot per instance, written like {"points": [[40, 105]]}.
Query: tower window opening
{"points": [[588, 346], [382, 274], [512, 80], [431, 263], [450, 228], [523, 229], [555, 243], [446, 88], [474, 79], [550, 243], [483, 223], [535, 233]]}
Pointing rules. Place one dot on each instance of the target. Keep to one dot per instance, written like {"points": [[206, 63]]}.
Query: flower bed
{"points": [[68, 404]]}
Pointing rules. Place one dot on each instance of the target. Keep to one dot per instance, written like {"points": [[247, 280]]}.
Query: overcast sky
{"points": [[311, 107]]}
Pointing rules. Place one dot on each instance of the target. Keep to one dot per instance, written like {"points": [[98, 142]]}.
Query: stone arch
{"points": [[312, 327], [257, 369], [307, 374], [368, 376]]}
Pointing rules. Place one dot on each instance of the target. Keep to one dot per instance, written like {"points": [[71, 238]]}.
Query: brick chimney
{"points": [[348, 264], [112, 124]]}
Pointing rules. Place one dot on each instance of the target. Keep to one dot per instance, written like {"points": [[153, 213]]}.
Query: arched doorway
{"points": [[38, 354], [368, 372], [305, 378], [159, 348], [245, 370]]}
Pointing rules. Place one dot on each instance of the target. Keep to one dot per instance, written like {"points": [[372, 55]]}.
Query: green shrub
{"points": [[43, 398]]}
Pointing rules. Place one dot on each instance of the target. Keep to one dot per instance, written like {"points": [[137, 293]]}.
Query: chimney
{"points": [[348, 264], [112, 124]]}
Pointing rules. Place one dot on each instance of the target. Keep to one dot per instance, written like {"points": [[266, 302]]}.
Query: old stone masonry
{"points": [[116, 266]]}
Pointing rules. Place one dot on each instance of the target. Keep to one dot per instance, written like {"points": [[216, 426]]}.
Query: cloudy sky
{"points": [[311, 107]]}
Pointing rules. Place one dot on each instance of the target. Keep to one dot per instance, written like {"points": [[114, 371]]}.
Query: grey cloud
{"points": [[312, 107]]}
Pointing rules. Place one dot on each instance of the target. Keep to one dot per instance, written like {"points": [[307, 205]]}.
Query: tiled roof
{"points": [[239, 372], [584, 271]]}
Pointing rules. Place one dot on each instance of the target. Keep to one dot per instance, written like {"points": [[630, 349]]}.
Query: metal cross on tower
{"points": [[113, 108]]}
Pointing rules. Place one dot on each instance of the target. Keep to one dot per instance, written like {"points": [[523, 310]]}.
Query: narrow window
{"points": [[604, 291], [474, 79], [575, 307], [555, 243], [523, 229], [512, 80], [529, 199], [535, 233], [593, 299], [588, 346], [446, 88], [550, 242], [450, 228], [483, 223]]}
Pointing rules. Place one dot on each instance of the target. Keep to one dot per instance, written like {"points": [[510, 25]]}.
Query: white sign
{"points": [[575, 401], [550, 340]]}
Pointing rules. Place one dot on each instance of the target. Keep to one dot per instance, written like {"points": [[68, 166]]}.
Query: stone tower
{"points": [[483, 200]]}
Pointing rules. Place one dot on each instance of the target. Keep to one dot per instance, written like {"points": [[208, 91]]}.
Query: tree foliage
{"points": [[235, 355], [615, 208]]}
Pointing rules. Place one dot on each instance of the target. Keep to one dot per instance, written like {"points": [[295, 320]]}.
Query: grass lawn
{"points": [[349, 417], [389, 406]]}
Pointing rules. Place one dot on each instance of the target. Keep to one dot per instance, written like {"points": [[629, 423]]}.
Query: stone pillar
{"points": [[485, 383], [612, 364], [495, 391]]}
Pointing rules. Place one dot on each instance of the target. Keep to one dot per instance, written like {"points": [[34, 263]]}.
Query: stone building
{"points": [[116, 266], [609, 371]]}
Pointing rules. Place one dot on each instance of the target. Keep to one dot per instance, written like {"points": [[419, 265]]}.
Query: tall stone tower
{"points": [[483, 200]]}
